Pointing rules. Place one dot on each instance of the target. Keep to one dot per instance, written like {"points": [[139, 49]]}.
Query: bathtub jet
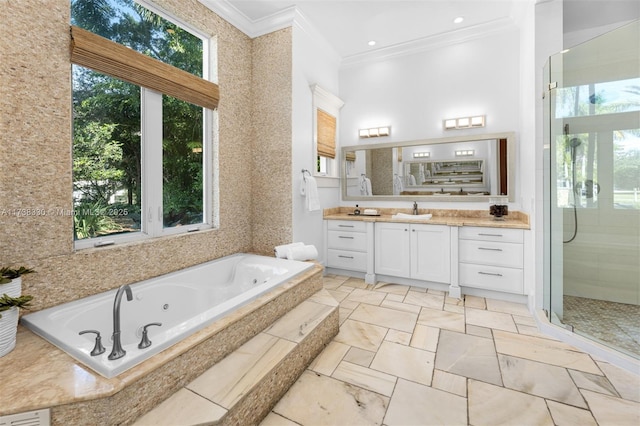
{"points": [[183, 302]]}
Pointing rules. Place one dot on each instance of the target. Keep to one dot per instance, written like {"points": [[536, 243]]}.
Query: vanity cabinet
{"points": [[347, 243], [413, 251], [491, 259]]}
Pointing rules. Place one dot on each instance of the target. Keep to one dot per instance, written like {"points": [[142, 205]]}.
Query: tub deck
{"points": [[37, 375]]}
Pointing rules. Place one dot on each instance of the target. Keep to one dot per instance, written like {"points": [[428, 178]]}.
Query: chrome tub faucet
{"points": [[117, 351]]}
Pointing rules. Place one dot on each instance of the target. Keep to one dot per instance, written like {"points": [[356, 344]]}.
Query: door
{"points": [[392, 249], [431, 253]]}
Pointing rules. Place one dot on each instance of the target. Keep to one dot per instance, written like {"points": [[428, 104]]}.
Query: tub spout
{"points": [[117, 351]]}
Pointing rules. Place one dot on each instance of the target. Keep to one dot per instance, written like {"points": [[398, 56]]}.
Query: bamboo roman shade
{"points": [[105, 56], [326, 134]]}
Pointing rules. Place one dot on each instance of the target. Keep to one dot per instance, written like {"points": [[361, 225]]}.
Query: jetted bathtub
{"points": [[184, 302]]}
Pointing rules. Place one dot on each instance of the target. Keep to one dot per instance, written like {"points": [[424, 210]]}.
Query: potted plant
{"points": [[11, 300]]}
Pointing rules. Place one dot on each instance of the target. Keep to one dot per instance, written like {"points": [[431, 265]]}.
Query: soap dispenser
{"points": [[356, 211]]}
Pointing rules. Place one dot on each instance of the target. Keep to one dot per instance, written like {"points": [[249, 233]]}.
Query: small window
{"points": [[326, 109]]}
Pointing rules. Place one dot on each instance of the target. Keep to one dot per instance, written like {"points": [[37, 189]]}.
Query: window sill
{"points": [[327, 181]]}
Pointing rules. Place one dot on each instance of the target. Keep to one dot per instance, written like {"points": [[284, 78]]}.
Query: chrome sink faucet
{"points": [[117, 351], [415, 207]]}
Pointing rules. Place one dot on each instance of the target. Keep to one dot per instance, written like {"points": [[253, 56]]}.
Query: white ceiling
{"points": [[348, 25]]}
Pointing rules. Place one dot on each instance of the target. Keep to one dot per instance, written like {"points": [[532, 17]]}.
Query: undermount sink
{"points": [[411, 216]]}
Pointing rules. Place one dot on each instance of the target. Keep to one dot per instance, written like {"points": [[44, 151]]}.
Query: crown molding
{"points": [[252, 28], [437, 41]]}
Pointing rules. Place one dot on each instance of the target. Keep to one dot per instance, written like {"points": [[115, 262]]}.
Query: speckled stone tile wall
{"points": [[272, 213], [35, 154]]}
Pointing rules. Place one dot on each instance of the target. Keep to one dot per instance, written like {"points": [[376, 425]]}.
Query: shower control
{"points": [[97, 348], [145, 342]]}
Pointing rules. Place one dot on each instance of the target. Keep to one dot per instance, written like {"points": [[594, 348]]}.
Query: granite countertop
{"points": [[515, 219]]}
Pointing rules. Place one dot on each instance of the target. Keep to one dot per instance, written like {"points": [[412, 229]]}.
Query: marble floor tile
{"points": [[508, 307], [428, 300], [366, 378], [400, 306], [385, 317], [329, 358], [394, 297], [183, 408], [233, 377], [449, 382], [567, 415], [361, 335], [593, 382], [475, 330], [274, 419], [418, 289], [609, 410], [396, 289], [365, 296], [459, 309], [339, 295], [416, 365], [525, 320], [425, 338], [627, 384], [415, 404], [349, 304], [543, 350], [441, 319], [474, 302], [531, 331], [453, 301], [323, 297], [493, 405], [319, 400], [343, 314], [399, 337], [469, 356], [332, 282], [488, 319], [355, 283], [438, 292], [298, 322], [359, 356], [535, 378]]}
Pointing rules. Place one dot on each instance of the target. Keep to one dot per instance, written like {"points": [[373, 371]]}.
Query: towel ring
{"points": [[303, 172]]}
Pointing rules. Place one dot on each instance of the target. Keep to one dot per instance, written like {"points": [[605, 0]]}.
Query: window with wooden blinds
{"points": [[326, 134], [108, 57]]}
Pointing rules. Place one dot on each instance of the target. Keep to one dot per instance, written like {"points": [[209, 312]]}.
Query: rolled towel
{"points": [[302, 253], [281, 251]]}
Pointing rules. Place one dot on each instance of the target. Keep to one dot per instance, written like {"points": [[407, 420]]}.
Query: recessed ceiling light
{"points": [[458, 20], [372, 43]]}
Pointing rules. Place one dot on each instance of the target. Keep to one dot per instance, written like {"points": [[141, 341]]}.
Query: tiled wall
{"points": [[35, 155]]}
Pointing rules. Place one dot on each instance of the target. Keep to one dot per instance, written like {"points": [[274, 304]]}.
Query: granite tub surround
{"points": [[451, 217], [454, 367], [242, 388], [37, 375]]}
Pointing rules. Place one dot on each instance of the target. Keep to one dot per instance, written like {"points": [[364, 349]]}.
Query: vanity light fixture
{"points": [[423, 154], [465, 153], [374, 132], [464, 122]]}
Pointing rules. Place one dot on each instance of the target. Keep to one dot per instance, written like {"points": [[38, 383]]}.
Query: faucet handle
{"points": [[145, 342], [97, 348]]}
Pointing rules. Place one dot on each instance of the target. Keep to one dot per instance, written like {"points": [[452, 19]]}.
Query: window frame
{"points": [[330, 104], [151, 125]]}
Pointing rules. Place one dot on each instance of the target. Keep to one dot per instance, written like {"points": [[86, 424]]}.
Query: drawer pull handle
{"points": [[345, 257], [342, 236], [346, 226], [490, 235], [488, 248], [490, 273]]}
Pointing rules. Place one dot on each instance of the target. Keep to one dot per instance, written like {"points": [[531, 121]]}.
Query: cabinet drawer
{"points": [[492, 278], [491, 253], [491, 234], [343, 259], [346, 240], [347, 225]]}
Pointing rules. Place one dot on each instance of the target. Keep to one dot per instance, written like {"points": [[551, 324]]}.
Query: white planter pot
{"points": [[8, 330], [12, 289]]}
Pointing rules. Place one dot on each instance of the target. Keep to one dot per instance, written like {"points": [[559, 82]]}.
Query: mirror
{"points": [[466, 168]]}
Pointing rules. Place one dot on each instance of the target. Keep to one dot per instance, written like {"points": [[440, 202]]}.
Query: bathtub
{"points": [[184, 302]]}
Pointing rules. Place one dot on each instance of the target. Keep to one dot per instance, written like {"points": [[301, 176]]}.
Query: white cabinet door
{"points": [[431, 253], [392, 245]]}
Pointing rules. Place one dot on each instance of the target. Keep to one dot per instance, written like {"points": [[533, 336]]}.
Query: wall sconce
{"points": [[465, 153], [464, 122], [423, 154], [375, 132]]}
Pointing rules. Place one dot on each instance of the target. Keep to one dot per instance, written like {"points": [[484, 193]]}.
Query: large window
{"points": [[141, 130]]}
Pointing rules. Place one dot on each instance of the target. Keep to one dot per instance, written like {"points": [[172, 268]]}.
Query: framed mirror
{"points": [[463, 168]]}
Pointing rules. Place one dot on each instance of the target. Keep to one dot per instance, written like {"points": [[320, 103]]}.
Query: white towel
{"points": [[421, 175], [397, 185], [302, 253], [365, 186], [412, 180], [281, 251], [309, 189]]}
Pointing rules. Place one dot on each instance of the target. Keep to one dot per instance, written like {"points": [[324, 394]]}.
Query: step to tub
{"points": [[244, 387]]}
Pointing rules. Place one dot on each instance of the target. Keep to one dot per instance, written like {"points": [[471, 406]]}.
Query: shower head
{"points": [[574, 142]]}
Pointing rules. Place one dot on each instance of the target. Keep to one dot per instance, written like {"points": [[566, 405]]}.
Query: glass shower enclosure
{"points": [[592, 189]]}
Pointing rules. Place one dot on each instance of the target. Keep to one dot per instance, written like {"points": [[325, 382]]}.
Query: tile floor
{"points": [[614, 324], [408, 356]]}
